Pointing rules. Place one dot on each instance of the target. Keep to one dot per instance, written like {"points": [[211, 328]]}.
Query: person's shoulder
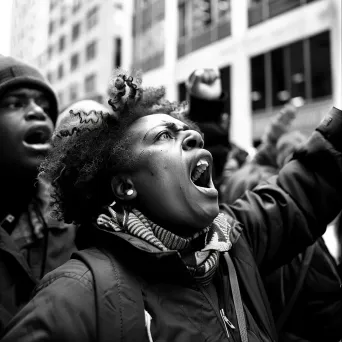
{"points": [[73, 270]]}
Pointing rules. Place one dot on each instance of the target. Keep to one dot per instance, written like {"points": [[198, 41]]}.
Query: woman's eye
{"points": [[165, 136]]}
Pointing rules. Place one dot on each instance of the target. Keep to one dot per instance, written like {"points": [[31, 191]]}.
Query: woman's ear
{"points": [[123, 188]]}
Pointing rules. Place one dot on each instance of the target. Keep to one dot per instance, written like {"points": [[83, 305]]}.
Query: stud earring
{"points": [[129, 192]]}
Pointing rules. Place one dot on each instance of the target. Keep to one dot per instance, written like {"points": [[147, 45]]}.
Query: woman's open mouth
{"points": [[201, 178], [200, 175]]}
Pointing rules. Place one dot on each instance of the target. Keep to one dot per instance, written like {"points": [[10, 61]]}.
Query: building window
{"points": [[92, 17], [60, 72], [182, 19], [301, 70], [50, 51], [76, 30], [76, 6], [90, 84], [258, 82], [181, 92], [223, 7], [53, 4], [202, 22], [73, 92], [225, 79], [320, 69], [74, 62], [52, 26], [260, 10], [279, 92], [201, 15], [61, 43], [91, 51], [297, 69], [63, 17], [49, 77], [118, 6], [117, 52]]}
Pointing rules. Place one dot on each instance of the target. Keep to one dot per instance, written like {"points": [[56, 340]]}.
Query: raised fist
{"points": [[205, 84]]}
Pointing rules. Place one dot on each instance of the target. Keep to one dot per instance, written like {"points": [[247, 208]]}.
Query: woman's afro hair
{"points": [[86, 155]]}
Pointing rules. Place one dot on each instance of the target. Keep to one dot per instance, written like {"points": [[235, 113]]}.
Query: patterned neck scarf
{"points": [[200, 253]]}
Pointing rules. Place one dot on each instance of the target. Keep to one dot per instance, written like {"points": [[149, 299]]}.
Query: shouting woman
{"points": [[160, 260]]}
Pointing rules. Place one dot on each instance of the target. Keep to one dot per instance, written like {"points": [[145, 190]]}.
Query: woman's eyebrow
{"points": [[169, 125], [175, 128]]}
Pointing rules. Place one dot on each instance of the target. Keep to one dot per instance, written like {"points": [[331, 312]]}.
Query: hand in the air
{"points": [[205, 84]]}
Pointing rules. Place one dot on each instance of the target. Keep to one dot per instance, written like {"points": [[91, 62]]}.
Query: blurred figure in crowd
{"points": [[206, 108], [31, 242], [264, 164]]}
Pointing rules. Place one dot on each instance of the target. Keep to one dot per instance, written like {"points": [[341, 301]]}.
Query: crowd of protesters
{"points": [[142, 221]]}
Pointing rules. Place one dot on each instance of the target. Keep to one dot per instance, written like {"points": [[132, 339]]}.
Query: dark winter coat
{"points": [[20, 271], [278, 221], [317, 311]]}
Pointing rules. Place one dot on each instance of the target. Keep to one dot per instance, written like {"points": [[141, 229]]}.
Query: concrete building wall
{"points": [[29, 28], [113, 22], [244, 43]]}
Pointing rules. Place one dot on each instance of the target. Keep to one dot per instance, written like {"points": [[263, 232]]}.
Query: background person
{"points": [[31, 242]]}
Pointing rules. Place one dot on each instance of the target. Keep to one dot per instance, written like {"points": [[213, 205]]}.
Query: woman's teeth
{"points": [[201, 166], [202, 162]]}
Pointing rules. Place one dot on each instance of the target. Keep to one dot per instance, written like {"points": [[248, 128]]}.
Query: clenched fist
{"points": [[205, 84]]}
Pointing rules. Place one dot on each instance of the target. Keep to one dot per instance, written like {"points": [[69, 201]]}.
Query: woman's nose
{"points": [[192, 140]]}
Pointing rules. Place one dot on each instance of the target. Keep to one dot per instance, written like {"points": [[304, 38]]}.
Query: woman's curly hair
{"points": [[84, 157]]}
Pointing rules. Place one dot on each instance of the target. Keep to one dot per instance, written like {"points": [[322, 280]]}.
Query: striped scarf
{"points": [[201, 262]]}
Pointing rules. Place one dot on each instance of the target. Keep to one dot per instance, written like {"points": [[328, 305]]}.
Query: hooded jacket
{"points": [[279, 219]]}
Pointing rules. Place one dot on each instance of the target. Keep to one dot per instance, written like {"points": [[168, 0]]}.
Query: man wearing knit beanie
{"points": [[31, 242]]}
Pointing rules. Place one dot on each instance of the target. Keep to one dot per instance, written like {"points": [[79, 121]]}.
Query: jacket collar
{"points": [[146, 259]]}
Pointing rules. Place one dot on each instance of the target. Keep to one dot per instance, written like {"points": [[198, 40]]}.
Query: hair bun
{"points": [[124, 90]]}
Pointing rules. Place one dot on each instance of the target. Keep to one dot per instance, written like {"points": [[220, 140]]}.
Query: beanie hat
{"points": [[15, 73]]}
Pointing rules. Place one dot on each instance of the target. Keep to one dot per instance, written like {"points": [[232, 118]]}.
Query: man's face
{"points": [[25, 129], [172, 174]]}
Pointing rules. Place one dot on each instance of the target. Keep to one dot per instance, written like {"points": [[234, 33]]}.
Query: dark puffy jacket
{"points": [[278, 221], [317, 311]]}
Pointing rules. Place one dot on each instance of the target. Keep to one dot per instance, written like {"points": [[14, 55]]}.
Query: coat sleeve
{"points": [[292, 210], [64, 310], [202, 110]]}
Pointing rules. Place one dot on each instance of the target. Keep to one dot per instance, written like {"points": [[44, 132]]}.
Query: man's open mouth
{"points": [[38, 136], [200, 175]]}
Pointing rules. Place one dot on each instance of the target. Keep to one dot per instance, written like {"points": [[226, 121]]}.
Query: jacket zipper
{"points": [[218, 312], [226, 322]]}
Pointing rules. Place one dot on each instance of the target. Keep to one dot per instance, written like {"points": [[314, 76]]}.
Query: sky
{"points": [[5, 26]]}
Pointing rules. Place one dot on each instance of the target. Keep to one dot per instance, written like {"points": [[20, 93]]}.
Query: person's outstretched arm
{"points": [[289, 213], [205, 96]]}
